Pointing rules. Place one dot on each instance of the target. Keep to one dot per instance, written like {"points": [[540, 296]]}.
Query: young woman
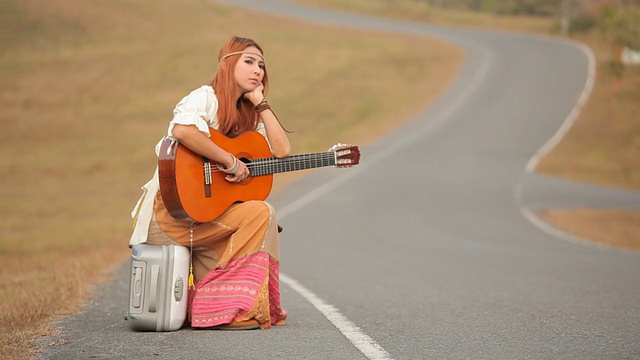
{"points": [[234, 257]]}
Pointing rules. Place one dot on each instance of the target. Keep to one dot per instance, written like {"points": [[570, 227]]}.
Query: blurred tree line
{"points": [[618, 20], [511, 7], [621, 24]]}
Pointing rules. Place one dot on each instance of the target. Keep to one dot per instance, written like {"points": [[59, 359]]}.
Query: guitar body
{"points": [[184, 188]]}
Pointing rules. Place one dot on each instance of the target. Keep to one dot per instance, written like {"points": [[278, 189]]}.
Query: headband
{"points": [[241, 52]]}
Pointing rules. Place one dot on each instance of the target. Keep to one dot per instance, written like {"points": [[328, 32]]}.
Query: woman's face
{"points": [[249, 70]]}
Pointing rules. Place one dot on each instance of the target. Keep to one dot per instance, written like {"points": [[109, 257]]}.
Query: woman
{"points": [[234, 257]]}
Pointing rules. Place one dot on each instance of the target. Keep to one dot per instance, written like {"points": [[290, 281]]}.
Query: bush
{"points": [[582, 23]]}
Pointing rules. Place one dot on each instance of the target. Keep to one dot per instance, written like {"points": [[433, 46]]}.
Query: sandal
{"points": [[251, 324]]}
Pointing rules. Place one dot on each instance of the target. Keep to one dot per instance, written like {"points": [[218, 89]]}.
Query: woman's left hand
{"points": [[256, 96]]}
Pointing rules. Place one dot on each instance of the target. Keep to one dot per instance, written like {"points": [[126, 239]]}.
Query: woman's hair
{"points": [[235, 116]]}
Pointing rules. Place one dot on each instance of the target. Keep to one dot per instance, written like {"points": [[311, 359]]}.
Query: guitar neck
{"points": [[274, 165]]}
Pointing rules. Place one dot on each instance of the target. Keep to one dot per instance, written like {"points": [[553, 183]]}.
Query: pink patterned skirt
{"points": [[236, 264], [246, 288]]}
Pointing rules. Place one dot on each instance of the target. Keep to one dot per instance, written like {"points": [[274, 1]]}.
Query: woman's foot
{"points": [[251, 324]]}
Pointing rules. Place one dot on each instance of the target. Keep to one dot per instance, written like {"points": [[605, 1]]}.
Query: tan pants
{"points": [[245, 228]]}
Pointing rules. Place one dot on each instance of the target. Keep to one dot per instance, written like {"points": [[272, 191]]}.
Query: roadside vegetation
{"points": [[88, 89]]}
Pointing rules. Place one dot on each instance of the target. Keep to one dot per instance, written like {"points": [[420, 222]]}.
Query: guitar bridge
{"points": [[206, 168]]}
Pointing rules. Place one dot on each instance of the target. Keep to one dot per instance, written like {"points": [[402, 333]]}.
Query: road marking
{"points": [[532, 217], [383, 154], [353, 333], [559, 234], [364, 343], [573, 115]]}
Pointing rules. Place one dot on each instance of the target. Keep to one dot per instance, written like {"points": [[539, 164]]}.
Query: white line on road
{"points": [[532, 217], [573, 115], [356, 336], [353, 333]]}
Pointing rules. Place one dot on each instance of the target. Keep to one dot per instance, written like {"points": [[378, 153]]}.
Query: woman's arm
{"points": [[198, 142], [278, 139], [280, 146]]}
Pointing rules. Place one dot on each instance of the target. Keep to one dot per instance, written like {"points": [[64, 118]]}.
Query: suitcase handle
{"points": [[136, 287], [153, 294]]}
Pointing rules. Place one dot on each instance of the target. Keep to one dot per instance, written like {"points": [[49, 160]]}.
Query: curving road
{"points": [[446, 262]]}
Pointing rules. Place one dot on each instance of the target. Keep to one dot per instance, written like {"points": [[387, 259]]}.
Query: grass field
{"points": [[88, 89]]}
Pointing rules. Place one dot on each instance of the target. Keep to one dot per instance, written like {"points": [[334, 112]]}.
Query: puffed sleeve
{"points": [[195, 109], [263, 131]]}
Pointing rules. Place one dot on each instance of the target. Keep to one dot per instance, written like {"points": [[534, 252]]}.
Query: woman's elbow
{"points": [[181, 132], [281, 151]]}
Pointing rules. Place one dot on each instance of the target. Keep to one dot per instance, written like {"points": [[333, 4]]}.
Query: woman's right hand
{"points": [[241, 174], [199, 143]]}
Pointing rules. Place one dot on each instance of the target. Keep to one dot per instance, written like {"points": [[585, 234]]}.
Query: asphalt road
{"points": [[430, 248]]}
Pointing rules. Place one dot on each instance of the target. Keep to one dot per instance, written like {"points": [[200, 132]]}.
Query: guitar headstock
{"points": [[346, 155]]}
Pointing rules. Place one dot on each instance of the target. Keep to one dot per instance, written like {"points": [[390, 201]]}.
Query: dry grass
{"points": [[603, 146], [88, 89], [421, 11], [611, 227]]}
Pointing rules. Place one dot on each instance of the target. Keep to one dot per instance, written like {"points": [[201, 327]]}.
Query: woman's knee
{"points": [[260, 209]]}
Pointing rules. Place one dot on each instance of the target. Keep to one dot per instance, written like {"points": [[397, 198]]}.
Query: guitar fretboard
{"points": [[274, 165]]}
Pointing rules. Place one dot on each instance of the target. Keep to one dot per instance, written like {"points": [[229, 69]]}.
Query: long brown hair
{"points": [[235, 116]]}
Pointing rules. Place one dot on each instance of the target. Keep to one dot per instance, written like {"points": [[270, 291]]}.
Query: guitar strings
{"points": [[259, 165]]}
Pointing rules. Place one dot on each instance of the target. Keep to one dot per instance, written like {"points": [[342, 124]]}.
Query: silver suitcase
{"points": [[158, 287]]}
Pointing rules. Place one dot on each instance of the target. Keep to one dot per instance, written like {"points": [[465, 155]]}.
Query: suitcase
{"points": [[158, 287]]}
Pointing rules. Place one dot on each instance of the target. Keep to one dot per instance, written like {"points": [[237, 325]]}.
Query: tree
{"points": [[621, 26]]}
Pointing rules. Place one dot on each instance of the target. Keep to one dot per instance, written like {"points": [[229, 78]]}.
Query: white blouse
{"points": [[199, 108]]}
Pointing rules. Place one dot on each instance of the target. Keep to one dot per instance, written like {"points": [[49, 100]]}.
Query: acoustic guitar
{"points": [[193, 188]]}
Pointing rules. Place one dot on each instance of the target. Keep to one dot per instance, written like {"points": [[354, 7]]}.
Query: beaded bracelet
{"points": [[234, 167], [264, 105]]}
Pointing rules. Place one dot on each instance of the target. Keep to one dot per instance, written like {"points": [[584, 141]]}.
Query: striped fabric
{"points": [[246, 288]]}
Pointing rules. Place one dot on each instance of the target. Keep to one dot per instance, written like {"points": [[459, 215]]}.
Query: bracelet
{"points": [[234, 167], [264, 105]]}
